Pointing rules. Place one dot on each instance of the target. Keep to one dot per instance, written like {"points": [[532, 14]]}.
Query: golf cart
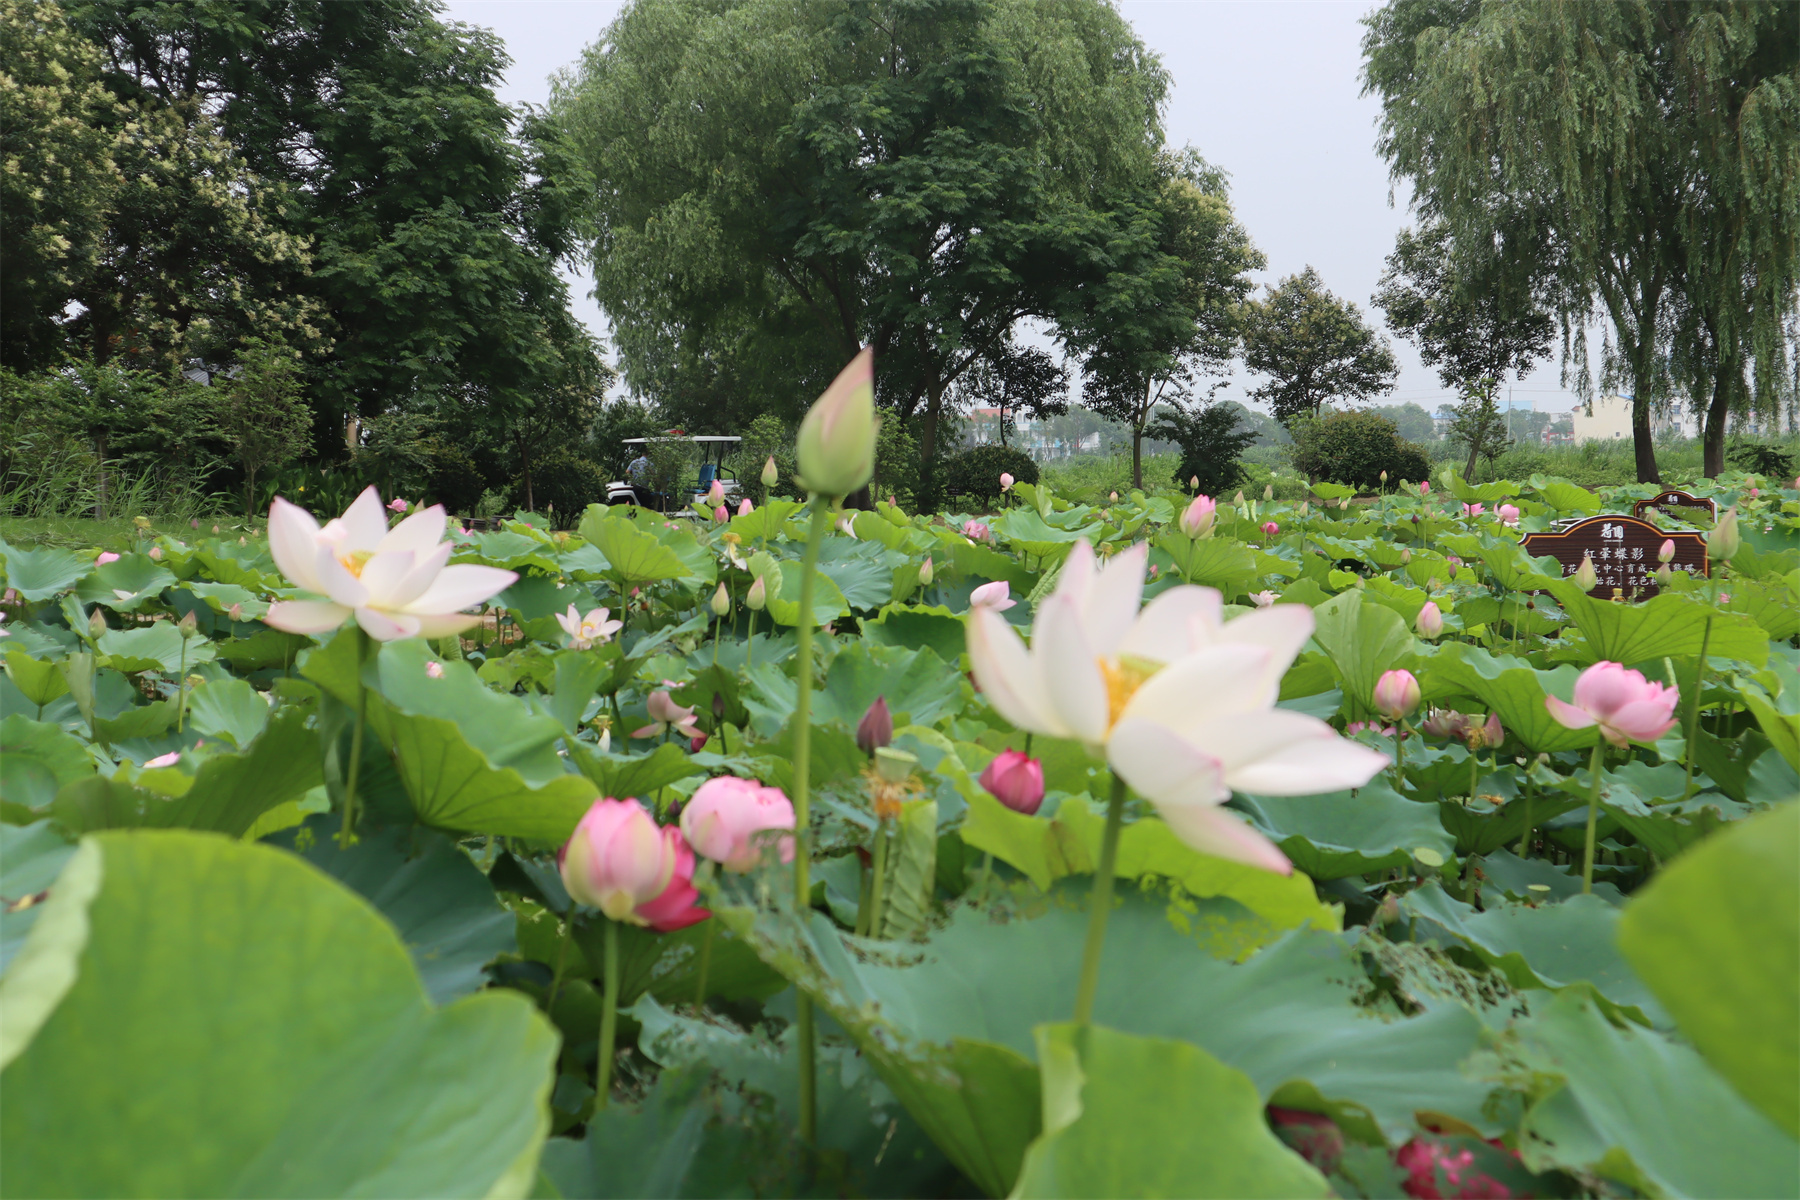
{"points": [[636, 487]]}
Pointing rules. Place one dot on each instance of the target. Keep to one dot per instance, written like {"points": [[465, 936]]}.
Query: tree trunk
{"points": [[1137, 456], [928, 431], [525, 461], [1469, 471], [1641, 440], [1712, 443]]}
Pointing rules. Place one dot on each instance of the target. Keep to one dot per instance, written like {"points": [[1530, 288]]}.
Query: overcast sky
{"points": [[1267, 89]]}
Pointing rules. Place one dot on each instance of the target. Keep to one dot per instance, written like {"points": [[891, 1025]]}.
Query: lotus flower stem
{"points": [[706, 942], [1693, 721], [181, 690], [750, 644], [1399, 754], [348, 833], [1587, 851], [562, 959], [803, 1013], [609, 1014], [1525, 835], [878, 888], [1101, 905], [987, 876]]}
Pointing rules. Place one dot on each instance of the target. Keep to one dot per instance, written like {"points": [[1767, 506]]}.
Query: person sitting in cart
{"points": [[639, 469]]}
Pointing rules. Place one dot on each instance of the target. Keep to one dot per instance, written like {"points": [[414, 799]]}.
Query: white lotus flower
{"points": [[1179, 701], [587, 632], [394, 581]]}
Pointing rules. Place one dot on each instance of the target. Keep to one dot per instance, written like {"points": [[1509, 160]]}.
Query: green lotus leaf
{"points": [[155, 647], [1349, 833], [635, 557], [138, 576], [1363, 641], [235, 1023], [37, 679], [37, 760], [40, 574], [1511, 687], [229, 709]]}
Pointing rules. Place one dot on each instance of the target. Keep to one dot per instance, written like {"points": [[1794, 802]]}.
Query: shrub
{"points": [[976, 472], [765, 438], [1761, 458], [897, 464], [453, 480], [1355, 448], [1212, 439], [566, 483]]}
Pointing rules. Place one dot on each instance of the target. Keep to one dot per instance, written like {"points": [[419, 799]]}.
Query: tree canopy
{"points": [[1314, 347], [1643, 155], [783, 181]]}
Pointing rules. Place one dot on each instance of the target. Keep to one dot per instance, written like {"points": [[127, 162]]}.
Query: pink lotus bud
{"points": [[189, 625], [1430, 621], [745, 508], [757, 596], [1753, 493], [1006, 481], [697, 743], [194, 522], [876, 729], [434, 670], [106, 556], [1270, 529], [1015, 781], [156, 554], [397, 505], [1722, 542], [235, 612], [165, 760], [1453, 562], [1509, 514], [836, 444], [1155, 571], [721, 515], [1194, 482], [675, 907], [1586, 577], [1424, 487], [1667, 553], [616, 860], [1405, 556], [1197, 521], [925, 572], [1626, 706], [1114, 497], [1396, 694], [996, 595], [729, 818], [715, 494]]}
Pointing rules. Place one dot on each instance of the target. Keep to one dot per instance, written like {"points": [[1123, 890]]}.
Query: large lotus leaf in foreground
{"points": [[194, 1016]]}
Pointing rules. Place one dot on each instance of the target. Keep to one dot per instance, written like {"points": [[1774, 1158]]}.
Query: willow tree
{"points": [[1609, 146], [786, 180]]}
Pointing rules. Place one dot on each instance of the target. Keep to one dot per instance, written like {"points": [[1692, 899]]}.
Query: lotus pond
{"points": [[284, 912]]}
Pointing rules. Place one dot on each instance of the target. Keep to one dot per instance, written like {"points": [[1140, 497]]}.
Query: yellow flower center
{"points": [[1124, 676], [356, 560]]}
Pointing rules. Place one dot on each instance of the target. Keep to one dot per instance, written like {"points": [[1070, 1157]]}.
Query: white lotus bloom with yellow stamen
{"points": [[1179, 701], [395, 580]]}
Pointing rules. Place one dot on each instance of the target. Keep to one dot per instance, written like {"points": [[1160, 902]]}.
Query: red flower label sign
{"points": [[1625, 553]]}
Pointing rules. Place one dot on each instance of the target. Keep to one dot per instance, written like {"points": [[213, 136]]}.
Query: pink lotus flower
{"points": [[975, 531], [1197, 520], [664, 712], [1626, 706], [587, 632], [393, 580], [1753, 493], [1006, 481], [1489, 733], [165, 760], [1016, 781], [1396, 694], [996, 596], [106, 556], [1264, 598], [728, 817], [1430, 621], [1509, 514], [619, 862], [676, 906], [397, 505], [434, 670], [1270, 529], [745, 508], [1472, 510]]}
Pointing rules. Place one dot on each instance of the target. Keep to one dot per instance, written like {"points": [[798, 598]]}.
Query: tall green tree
{"points": [[1021, 381], [57, 176], [1167, 302], [434, 219], [777, 177], [1645, 153], [1314, 347]]}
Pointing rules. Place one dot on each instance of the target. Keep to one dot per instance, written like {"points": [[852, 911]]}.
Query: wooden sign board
{"points": [[1624, 551], [1678, 504]]}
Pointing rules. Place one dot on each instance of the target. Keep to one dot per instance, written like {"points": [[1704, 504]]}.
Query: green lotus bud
{"points": [[96, 623], [1586, 578], [188, 625], [1723, 541], [925, 573], [836, 447], [770, 475], [757, 596], [721, 601]]}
